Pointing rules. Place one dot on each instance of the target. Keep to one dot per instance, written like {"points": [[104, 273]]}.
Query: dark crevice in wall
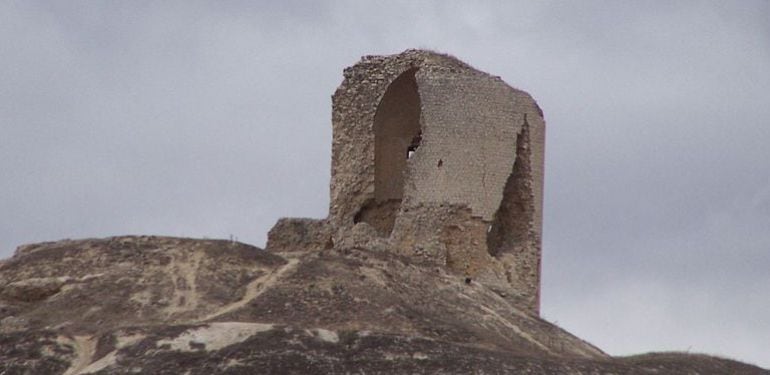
{"points": [[397, 136], [511, 230]]}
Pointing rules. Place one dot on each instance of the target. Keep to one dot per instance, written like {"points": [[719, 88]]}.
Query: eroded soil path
{"points": [[255, 288]]}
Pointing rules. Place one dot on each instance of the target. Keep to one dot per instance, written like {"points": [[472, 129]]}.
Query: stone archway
{"points": [[397, 135]]}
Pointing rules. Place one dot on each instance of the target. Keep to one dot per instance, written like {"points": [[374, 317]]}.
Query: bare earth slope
{"points": [[168, 305]]}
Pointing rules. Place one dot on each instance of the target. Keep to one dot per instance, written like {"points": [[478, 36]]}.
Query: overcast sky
{"points": [[214, 119]]}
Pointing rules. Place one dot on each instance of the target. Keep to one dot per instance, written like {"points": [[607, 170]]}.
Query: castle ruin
{"points": [[435, 160]]}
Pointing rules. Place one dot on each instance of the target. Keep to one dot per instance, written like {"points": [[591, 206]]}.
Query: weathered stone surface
{"points": [[427, 150], [92, 285], [247, 311], [299, 234], [33, 289]]}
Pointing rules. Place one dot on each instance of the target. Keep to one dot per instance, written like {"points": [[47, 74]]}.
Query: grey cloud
{"points": [[211, 119]]}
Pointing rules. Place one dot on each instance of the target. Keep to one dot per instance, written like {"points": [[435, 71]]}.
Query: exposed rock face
{"points": [[168, 306], [138, 280]]}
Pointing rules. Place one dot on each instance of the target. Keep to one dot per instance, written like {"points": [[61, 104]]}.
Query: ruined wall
{"points": [[469, 141], [299, 234], [354, 106], [434, 159], [514, 236]]}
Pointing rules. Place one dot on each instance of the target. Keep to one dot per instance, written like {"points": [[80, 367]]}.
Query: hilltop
{"points": [[172, 305]]}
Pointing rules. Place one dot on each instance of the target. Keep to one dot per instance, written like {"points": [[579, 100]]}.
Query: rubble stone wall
{"points": [[299, 234], [434, 159]]}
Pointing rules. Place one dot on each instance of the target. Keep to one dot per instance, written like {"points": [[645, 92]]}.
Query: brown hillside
{"points": [[170, 305]]}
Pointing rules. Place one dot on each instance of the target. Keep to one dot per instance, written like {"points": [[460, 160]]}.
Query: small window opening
{"points": [[413, 145]]}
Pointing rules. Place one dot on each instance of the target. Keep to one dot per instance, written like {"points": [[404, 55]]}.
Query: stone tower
{"points": [[434, 159]]}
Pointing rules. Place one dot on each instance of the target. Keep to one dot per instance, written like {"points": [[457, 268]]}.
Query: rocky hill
{"points": [[159, 305]]}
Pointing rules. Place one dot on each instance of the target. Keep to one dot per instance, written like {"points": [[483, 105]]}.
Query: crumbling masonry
{"points": [[434, 159]]}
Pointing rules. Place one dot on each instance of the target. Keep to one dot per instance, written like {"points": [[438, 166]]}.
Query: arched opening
{"points": [[397, 136], [512, 229]]}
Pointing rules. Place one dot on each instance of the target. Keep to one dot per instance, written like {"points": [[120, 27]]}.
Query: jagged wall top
{"points": [[357, 99], [434, 159]]}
